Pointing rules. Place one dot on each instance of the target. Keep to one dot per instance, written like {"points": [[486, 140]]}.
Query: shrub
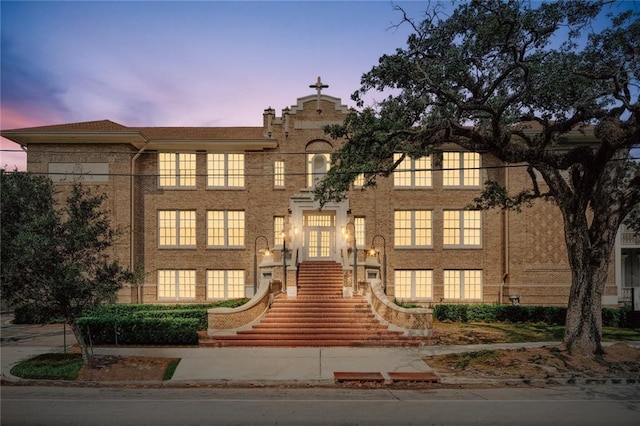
{"points": [[552, 315], [109, 330]]}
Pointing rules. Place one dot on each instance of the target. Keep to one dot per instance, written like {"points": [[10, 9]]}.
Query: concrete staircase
{"points": [[318, 317]]}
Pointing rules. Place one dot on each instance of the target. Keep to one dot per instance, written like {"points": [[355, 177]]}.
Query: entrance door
{"points": [[319, 235]]}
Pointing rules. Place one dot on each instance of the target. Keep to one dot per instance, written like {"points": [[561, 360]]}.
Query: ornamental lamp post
{"points": [[384, 260], [255, 260]]}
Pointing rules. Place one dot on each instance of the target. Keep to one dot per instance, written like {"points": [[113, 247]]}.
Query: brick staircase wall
{"points": [[318, 317]]}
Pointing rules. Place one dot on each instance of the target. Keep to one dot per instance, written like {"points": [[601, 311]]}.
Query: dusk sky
{"points": [[170, 63], [205, 63]]}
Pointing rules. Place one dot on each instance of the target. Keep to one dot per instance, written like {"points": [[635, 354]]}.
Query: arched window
{"points": [[318, 161]]}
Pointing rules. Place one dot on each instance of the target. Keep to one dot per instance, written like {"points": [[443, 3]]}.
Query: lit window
{"points": [[278, 230], [225, 284], [461, 169], [176, 284], [463, 284], [278, 174], [359, 181], [177, 228], [412, 228], [177, 169], [412, 172], [225, 228], [360, 235], [462, 228], [225, 170], [317, 166], [413, 284]]}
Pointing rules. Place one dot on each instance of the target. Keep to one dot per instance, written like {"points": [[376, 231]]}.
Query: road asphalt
{"points": [[255, 366]]}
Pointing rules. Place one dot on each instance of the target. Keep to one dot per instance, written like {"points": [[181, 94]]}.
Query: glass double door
{"points": [[319, 235]]}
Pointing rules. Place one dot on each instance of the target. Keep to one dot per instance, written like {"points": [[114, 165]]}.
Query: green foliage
{"points": [[52, 366], [551, 315], [150, 324], [55, 258], [139, 331], [171, 368]]}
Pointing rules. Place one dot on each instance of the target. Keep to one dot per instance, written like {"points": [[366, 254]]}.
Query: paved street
{"points": [[567, 405]]}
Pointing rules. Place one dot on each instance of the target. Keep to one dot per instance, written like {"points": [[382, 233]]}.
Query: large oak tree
{"points": [[513, 79]]}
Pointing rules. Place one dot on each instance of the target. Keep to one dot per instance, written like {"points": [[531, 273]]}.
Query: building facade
{"points": [[209, 213]]}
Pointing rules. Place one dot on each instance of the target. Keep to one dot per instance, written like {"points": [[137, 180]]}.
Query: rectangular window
{"points": [[461, 169], [412, 228], [412, 172], [463, 284], [359, 181], [413, 284], [358, 223], [278, 230], [177, 170], [225, 170], [177, 228], [176, 284], [225, 228], [225, 284], [278, 174], [462, 228]]}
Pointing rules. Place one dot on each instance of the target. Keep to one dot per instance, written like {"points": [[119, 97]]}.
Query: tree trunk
{"points": [[86, 354], [583, 328], [589, 249]]}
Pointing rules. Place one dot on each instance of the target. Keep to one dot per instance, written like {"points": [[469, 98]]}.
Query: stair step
{"points": [[318, 317]]}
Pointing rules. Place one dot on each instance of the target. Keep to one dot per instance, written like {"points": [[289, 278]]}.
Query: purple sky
{"points": [[204, 63], [168, 63]]}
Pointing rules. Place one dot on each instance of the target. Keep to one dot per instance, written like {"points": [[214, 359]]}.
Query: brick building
{"points": [[207, 211]]}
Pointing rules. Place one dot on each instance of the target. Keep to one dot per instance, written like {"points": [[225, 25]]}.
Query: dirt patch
{"points": [[120, 368], [620, 360]]}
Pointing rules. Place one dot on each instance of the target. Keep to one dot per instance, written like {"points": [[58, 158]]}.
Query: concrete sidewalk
{"points": [[243, 365]]}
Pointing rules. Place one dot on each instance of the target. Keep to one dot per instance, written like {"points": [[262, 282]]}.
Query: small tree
{"points": [[56, 260], [495, 77]]}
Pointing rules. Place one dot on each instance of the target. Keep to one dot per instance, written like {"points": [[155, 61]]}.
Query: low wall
{"points": [[414, 321], [229, 320]]}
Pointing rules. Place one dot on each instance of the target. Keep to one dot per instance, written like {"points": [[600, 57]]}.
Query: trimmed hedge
{"points": [[109, 330], [148, 324], [552, 315]]}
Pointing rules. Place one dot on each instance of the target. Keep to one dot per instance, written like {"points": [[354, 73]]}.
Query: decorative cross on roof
{"points": [[319, 86]]}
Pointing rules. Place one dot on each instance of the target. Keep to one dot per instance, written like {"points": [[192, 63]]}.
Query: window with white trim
{"points": [[278, 230], [278, 174], [176, 228], [463, 284], [359, 225], [412, 172], [225, 228], [225, 170], [461, 169], [413, 284], [177, 170], [225, 284], [176, 284], [462, 228], [412, 228]]}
